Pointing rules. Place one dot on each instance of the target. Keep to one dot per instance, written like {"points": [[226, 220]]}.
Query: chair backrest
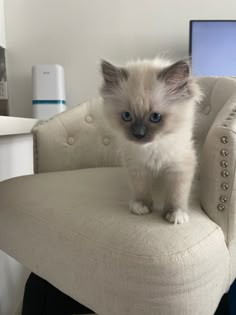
{"points": [[77, 138], [81, 138]]}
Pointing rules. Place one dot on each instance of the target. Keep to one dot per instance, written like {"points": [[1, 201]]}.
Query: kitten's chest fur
{"points": [[160, 155]]}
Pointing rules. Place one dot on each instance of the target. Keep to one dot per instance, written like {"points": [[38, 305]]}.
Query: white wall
{"points": [[2, 25], [77, 33]]}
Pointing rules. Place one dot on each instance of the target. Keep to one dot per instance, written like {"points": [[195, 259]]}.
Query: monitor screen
{"points": [[213, 48]]}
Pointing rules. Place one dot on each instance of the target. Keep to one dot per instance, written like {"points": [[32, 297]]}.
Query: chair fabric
{"points": [[70, 223], [74, 229]]}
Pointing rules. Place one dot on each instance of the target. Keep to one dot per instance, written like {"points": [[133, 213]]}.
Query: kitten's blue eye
{"points": [[126, 116], [155, 117]]}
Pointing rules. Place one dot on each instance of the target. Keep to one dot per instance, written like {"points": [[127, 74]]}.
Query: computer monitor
{"points": [[213, 47]]}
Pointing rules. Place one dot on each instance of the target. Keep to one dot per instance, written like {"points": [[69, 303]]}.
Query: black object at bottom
{"points": [[223, 307], [41, 298]]}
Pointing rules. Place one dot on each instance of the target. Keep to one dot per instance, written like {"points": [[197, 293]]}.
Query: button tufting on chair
{"points": [[89, 119], [70, 140], [106, 141]]}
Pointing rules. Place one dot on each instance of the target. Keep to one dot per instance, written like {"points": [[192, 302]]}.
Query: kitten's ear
{"points": [[176, 76], [113, 75]]}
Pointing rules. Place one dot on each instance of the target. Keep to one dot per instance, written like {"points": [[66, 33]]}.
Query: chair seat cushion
{"points": [[74, 229]]}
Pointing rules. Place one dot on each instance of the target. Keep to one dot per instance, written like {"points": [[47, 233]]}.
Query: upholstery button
{"points": [[70, 140], [106, 141], [224, 139], [224, 152], [89, 119], [220, 207], [223, 199], [225, 186]]}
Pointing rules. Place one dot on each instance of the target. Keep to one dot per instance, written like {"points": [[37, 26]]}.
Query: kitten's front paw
{"points": [[138, 208], [177, 216]]}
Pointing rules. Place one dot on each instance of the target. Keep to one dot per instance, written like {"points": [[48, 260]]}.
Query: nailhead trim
{"points": [[224, 139], [224, 163], [224, 152], [36, 151], [223, 199], [220, 207], [225, 186], [224, 173]]}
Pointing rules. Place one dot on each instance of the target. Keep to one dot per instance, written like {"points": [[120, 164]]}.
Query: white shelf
{"points": [[16, 125]]}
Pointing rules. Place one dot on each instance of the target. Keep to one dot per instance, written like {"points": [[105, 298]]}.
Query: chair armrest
{"points": [[217, 171]]}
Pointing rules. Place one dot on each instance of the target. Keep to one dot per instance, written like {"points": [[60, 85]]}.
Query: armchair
{"points": [[69, 223]]}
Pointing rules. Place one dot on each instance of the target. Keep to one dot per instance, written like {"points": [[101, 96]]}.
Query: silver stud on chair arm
{"points": [[224, 163], [220, 207], [225, 186], [224, 139], [223, 199], [224, 152], [224, 173]]}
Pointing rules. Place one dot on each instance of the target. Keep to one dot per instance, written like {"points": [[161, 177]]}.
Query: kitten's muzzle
{"points": [[139, 130]]}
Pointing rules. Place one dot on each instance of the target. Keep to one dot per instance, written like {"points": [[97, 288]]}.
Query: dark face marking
{"points": [[141, 129], [112, 76]]}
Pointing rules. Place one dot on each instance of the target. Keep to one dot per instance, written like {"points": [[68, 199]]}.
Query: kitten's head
{"points": [[147, 99]]}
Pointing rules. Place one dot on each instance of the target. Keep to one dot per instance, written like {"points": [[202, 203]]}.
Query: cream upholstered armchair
{"points": [[69, 223]]}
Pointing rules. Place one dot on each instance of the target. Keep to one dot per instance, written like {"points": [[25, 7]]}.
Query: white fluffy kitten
{"points": [[151, 104]]}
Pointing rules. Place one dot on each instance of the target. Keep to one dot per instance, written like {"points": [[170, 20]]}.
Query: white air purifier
{"points": [[48, 91]]}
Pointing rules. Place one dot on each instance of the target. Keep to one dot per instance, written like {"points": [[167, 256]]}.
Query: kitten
{"points": [[151, 106]]}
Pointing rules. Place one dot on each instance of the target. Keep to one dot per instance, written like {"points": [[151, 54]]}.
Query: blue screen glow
{"points": [[213, 48]]}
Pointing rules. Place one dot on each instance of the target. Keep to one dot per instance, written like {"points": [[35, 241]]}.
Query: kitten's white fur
{"points": [[170, 155]]}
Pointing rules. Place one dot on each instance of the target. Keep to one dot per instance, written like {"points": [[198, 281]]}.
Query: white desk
{"points": [[16, 159]]}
